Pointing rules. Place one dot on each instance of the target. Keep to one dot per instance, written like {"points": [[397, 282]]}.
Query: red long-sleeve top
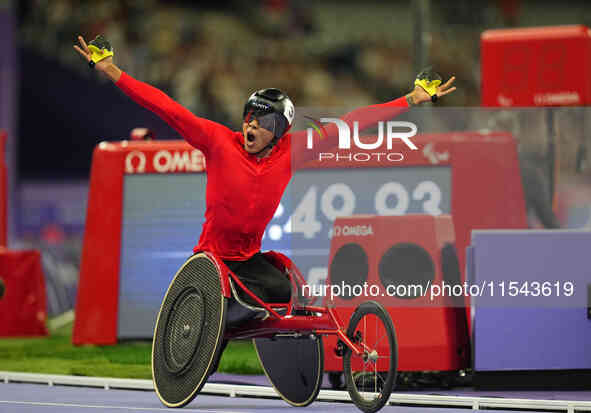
{"points": [[242, 190]]}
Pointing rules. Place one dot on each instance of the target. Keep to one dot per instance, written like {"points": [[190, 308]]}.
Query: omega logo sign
{"points": [[165, 161], [353, 230], [135, 161]]}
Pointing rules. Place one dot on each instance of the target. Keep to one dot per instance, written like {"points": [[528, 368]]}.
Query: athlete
{"points": [[247, 170]]}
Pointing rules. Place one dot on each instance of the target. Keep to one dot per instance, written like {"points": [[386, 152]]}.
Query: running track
{"points": [[27, 397]]}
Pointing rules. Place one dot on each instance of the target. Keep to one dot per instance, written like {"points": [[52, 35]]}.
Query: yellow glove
{"points": [[429, 81], [100, 49]]}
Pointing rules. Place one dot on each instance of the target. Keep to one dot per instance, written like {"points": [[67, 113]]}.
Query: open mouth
{"points": [[250, 138]]}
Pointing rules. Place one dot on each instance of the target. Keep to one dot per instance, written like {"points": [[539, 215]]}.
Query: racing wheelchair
{"points": [[204, 305]]}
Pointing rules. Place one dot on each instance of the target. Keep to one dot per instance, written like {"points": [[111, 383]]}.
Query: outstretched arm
{"points": [[197, 131], [420, 95], [366, 117]]}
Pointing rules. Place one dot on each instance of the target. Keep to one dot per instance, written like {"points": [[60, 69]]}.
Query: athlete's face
{"points": [[255, 137]]}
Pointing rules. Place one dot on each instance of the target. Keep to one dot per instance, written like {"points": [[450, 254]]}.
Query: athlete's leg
{"points": [[262, 278], [244, 272], [274, 282], [259, 276]]}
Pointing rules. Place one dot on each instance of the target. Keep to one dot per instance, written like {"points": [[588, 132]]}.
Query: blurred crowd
{"points": [[210, 56]]}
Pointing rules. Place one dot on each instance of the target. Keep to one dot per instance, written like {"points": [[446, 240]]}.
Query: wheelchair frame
{"points": [[323, 321], [294, 320]]}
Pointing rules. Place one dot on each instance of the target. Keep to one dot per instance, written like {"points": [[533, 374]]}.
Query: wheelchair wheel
{"points": [[189, 332], [370, 377], [294, 366]]}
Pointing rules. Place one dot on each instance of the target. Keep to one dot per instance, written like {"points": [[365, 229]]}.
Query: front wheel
{"points": [[370, 376]]}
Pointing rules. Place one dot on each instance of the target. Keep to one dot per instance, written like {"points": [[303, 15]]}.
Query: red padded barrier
{"points": [[402, 250], [98, 289], [537, 66], [23, 308]]}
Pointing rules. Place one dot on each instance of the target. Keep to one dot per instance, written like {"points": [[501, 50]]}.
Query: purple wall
{"points": [[8, 102], [528, 333]]}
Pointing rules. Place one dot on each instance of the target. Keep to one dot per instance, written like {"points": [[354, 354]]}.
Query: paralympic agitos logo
{"points": [[387, 131]]}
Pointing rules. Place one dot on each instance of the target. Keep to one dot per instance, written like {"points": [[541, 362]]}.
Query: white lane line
{"points": [[89, 406]]}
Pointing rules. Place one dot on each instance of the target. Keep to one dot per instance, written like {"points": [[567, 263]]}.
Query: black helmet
{"points": [[271, 101]]}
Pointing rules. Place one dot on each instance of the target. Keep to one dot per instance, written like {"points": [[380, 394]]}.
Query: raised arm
{"points": [[199, 132]]}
